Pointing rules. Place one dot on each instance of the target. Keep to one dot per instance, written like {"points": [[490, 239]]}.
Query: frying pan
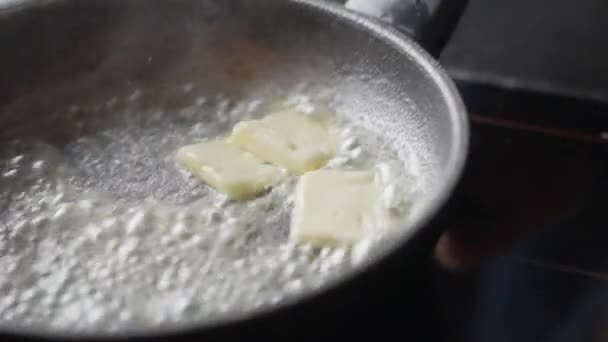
{"points": [[55, 54]]}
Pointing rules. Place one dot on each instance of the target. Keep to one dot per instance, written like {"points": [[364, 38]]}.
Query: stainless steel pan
{"points": [[56, 54]]}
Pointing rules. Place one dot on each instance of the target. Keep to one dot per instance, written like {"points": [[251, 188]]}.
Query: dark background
{"points": [[556, 46], [534, 75]]}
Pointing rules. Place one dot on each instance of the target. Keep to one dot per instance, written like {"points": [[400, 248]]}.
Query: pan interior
{"points": [[92, 108]]}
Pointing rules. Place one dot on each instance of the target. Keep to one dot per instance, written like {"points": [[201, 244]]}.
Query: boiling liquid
{"points": [[108, 234]]}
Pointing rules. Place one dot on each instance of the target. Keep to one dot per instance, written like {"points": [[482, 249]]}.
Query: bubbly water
{"points": [[108, 234]]}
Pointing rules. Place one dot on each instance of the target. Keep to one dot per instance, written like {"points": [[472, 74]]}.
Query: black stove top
{"points": [[553, 286], [534, 75], [555, 47]]}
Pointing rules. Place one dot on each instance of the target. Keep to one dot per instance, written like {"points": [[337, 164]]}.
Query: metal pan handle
{"points": [[430, 22]]}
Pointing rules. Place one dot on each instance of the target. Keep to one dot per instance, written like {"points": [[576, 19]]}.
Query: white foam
{"points": [[107, 234]]}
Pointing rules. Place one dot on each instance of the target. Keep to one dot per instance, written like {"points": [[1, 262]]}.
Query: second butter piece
{"points": [[288, 139]]}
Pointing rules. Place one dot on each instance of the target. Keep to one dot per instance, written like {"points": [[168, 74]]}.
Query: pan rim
{"points": [[454, 168]]}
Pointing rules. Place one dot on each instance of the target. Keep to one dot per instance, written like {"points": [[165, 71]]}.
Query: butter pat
{"points": [[334, 207], [228, 169], [288, 139]]}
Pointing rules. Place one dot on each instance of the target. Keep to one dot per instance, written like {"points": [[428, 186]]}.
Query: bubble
{"points": [[349, 144], [200, 101], [67, 298], [134, 96], [38, 164], [361, 251], [136, 224], [181, 230], [111, 103], [106, 225], [10, 173], [96, 315], [188, 87], [127, 247], [165, 280], [28, 295], [16, 160], [125, 316], [294, 286], [337, 256]]}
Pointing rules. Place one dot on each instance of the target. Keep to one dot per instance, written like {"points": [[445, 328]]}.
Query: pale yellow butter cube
{"points": [[334, 207], [228, 169], [288, 139]]}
